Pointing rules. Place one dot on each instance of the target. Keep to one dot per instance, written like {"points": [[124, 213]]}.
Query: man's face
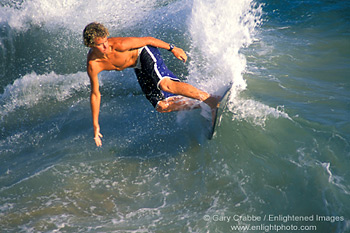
{"points": [[102, 44]]}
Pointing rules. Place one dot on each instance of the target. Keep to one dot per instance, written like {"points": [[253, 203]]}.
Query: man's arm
{"points": [[129, 43], [95, 101]]}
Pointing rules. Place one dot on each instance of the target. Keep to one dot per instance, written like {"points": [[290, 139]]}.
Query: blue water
{"points": [[279, 161]]}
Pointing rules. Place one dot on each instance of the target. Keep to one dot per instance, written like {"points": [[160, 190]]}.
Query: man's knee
{"points": [[166, 84]]}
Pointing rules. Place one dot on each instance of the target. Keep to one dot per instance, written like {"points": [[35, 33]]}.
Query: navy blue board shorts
{"points": [[150, 70]]}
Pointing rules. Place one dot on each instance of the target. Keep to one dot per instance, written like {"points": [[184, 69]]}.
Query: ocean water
{"points": [[279, 161]]}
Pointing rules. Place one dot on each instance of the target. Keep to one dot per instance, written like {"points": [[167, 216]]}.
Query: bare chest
{"points": [[120, 60]]}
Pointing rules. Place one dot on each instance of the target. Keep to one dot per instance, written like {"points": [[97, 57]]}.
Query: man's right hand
{"points": [[98, 136]]}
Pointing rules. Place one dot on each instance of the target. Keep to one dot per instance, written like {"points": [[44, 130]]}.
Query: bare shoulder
{"points": [[93, 67], [123, 44], [116, 42]]}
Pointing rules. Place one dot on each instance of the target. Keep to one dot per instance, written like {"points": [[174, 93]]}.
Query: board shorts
{"points": [[150, 70]]}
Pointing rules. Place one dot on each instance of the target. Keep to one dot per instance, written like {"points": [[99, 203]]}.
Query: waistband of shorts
{"points": [[138, 63]]}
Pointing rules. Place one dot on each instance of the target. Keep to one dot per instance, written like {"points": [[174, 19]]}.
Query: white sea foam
{"points": [[253, 111], [219, 29], [73, 14], [334, 179], [32, 89]]}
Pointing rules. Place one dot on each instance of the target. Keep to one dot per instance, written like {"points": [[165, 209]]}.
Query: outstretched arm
{"points": [[95, 101], [129, 43]]}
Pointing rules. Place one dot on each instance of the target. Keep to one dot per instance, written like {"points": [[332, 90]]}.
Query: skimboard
{"points": [[216, 118]]}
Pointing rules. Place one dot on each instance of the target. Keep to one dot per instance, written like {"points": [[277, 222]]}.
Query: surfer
{"points": [[161, 87]]}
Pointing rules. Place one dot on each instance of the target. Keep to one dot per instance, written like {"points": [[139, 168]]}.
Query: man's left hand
{"points": [[180, 54]]}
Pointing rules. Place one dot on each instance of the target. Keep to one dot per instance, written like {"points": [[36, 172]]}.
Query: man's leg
{"points": [[176, 103], [187, 90]]}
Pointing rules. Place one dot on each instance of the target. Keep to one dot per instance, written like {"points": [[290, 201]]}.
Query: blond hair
{"points": [[92, 31]]}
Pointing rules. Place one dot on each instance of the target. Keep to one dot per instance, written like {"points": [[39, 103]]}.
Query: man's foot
{"points": [[213, 101]]}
